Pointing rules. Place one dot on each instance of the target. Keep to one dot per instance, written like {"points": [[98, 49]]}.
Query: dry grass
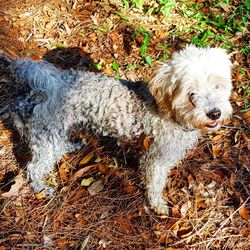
{"points": [[208, 192]]}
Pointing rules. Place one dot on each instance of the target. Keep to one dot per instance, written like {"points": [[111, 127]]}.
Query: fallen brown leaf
{"points": [[191, 181], [246, 232], [103, 169], [175, 228], [201, 203], [84, 170], [185, 207], [238, 76], [15, 188], [41, 195], [233, 179], [87, 182], [62, 243], [86, 159], [1, 176], [216, 151], [217, 138], [96, 187], [81, 192], [173, 248], [247, 140], [235, 97], [169, 241], [171, 222], [124, 225], [244, 213], [184, 231], [63, 171], [159, 33], [246, 116], [176, 211], [226, 7], [226, 158], [129, 187], [218, 175]]}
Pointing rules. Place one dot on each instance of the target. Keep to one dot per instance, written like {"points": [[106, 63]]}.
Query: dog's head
{"points": [[194, 88]]}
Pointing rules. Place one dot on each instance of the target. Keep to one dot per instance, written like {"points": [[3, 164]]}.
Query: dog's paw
{"points": [[159, 206], [38, 187]]}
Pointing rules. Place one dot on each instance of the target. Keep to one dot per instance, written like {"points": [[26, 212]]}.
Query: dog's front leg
{"points": [[155, 172], [156, 175]]}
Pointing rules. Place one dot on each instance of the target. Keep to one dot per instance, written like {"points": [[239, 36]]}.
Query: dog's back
{"points": [[55, 96]]}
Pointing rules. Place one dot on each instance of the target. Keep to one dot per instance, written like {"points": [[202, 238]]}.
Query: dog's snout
{"points": [[214, 114]]}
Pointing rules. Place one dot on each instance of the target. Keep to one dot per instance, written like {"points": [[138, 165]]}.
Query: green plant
{"points": [[137, 3], [115, 66], [233, 21], [131, 66], [58, 45], [126, 19], [126, 4], [245, 50], [29, 51], [166, 6], [97, 66], [201, 38], [166, 52], [144, 45]]}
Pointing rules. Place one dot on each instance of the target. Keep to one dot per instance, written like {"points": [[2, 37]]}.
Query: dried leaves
{"points": [[16, 187], [97, 202], [245, 212], [246, 116]]}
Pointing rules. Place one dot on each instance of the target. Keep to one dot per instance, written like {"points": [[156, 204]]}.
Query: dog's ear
{"points": [[162, 86]]}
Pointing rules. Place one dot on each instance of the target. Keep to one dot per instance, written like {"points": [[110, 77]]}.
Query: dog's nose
{"points": [[214, 114]]}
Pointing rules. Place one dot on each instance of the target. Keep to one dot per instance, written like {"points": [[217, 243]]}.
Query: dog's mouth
{"points": [[212, 124]]}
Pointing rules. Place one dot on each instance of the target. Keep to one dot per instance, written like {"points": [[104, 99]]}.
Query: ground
{"points": [[100, 202]]}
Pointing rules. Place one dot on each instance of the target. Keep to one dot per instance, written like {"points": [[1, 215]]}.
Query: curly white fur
{"points": [[187, 89]]}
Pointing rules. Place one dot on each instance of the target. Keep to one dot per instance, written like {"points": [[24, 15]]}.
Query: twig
{"points": [[45, 222], [28, 245], [218, 238], [74, 4], [50, 201], [191, 236], [226, 221], [235, 127]]}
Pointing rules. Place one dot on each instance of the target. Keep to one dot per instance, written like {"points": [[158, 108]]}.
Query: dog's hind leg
{"points": [[47, 149]]}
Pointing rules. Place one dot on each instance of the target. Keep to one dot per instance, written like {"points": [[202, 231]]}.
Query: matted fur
{"points": [[186, 88]]}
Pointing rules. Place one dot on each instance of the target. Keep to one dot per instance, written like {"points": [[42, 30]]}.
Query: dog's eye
{"points": [[192, 98], [217, 86]]}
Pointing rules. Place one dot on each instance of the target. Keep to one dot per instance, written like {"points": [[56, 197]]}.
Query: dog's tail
{"points": [[41, 78]]}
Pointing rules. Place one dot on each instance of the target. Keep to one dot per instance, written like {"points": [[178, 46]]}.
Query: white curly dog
{"points": [[187, 94]]}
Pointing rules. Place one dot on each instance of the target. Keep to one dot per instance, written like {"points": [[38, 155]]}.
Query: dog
{"points": [[186, 95]]}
